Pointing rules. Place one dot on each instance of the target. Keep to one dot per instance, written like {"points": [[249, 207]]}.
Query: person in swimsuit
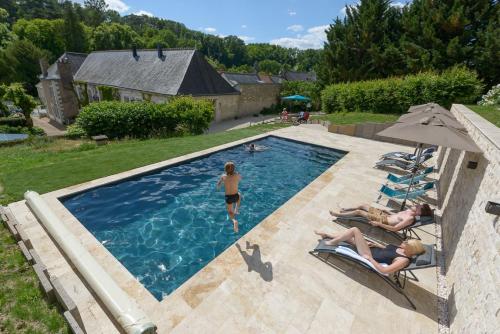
{"points": [[382, 218], [231, 180], [395, 257]]}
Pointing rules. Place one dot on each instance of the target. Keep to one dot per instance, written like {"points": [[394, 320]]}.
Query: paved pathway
{"points": [[239, 123], [51, 128]]}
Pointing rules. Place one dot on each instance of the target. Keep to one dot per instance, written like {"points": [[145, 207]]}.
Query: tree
{"points": [[16, 93], [20, 63], [75, 38], [5, 34], [365, 44], [269, 66], [236, 51], [38, 9], [44, 34], [164, 37], [95, 12], [114, 36]]}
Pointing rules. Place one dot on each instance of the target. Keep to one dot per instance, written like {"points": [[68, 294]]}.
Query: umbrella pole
{"points": [[415, 169]]}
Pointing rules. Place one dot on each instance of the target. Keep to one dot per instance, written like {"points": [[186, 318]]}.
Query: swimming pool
{"points": [[166, 225]]}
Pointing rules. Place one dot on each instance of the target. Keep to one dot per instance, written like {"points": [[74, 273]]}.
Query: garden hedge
{"points": [[396, 95], [146, 119], [13, 121]]}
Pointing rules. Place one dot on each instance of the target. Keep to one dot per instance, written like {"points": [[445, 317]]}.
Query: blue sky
{"points": [[289, 23]]}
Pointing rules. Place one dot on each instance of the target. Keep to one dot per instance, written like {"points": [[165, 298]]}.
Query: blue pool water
{"points": [[166, 226], [5, 137]]}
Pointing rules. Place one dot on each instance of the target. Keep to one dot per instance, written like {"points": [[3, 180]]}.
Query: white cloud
{"points": [[244, 26], [210, 30], [314, 39], [295, 28], [246, 39], [292, 12], [118, 5], [143, 12]]}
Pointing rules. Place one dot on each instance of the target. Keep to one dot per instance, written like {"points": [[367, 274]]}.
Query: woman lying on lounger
{"points": [[395, 257], [382, 218]]}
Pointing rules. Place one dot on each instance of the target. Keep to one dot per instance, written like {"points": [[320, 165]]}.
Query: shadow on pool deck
{"points": [[254, 262]]}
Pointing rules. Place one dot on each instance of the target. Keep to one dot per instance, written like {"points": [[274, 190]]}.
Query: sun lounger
{"points": [[347, 252], [401, 234], [401, 193], [407, 178], [407, 156], [400, 163]]}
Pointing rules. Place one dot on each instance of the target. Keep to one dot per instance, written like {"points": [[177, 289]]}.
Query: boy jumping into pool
{"points": [[233, 198]]}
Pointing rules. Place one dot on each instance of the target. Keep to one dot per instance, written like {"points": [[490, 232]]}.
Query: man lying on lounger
{"points": [[395, 257], [382, 218]]}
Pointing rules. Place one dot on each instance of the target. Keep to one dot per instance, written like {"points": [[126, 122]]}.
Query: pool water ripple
{"points": [[165, 226]]}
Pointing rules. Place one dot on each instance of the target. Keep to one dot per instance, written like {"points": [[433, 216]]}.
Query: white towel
{"points": [[351, 253]]}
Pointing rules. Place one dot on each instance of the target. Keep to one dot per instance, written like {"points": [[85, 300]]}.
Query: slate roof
{"points": [[179, 72], [241, 78], [75, 59], [300, 76]]}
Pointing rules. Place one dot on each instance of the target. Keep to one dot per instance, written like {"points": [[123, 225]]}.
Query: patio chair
{"points": [[347, 252], [401, 193], [405, 179], [402, 164], [407, 156], [404, 233]]}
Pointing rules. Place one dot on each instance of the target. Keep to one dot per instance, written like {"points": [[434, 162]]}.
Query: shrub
{"points": [[13, 121], [492, 97], [74, 131], [145, 119], [396, 95], [304, 88], [34, 131]]}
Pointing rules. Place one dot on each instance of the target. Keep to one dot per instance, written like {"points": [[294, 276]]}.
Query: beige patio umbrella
{"points": [[415, 113], [432, 130]]}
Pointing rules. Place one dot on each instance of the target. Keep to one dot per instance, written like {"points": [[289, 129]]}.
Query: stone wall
{"points": [[368, 131], [256, 97], [471, 237]]}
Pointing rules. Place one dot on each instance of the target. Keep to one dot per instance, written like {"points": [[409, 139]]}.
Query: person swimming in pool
{"points": [[231, 179], [255, 148]]}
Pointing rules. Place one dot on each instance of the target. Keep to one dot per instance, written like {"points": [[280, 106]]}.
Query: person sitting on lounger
{"points": [[395, 257], [382, 218]]}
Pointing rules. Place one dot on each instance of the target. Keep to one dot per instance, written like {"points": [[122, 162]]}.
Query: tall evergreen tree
{"points": [[95, 12], [364, 44], [74, 33]]}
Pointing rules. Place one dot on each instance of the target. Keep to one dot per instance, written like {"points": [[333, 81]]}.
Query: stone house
{"points": [[257, 91], [55, 88], [154, 75]]}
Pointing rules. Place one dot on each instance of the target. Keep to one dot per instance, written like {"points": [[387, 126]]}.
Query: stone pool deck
{"points": [[267, 282]]}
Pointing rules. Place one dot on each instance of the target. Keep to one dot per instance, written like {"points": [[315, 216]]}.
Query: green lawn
{"points": [[357, 117], [51, 165], [491, 113], [23, 308]]}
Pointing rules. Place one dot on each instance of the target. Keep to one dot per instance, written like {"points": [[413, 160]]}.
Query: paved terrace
{"points": [[278, 288]]}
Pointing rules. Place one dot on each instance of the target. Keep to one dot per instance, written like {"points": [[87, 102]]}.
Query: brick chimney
{"points": [[44, 66]]}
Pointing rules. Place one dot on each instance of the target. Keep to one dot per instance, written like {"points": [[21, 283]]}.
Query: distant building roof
{"points": [[178, 72], [299, 76], [73, 58], [241, 78], [276, 79]]}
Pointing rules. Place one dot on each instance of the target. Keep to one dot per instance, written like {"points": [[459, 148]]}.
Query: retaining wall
{"points": [[471, 237]]}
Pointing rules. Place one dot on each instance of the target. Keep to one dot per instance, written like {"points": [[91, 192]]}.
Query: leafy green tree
{"points": [[75, 38], [44, 34], [241, 69], [20, 63], [5, 34], [236, 51], [308, 59], [38, 9], [95, 12], [269, 66], [164, 37], [115, 36], [16, 93]]}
